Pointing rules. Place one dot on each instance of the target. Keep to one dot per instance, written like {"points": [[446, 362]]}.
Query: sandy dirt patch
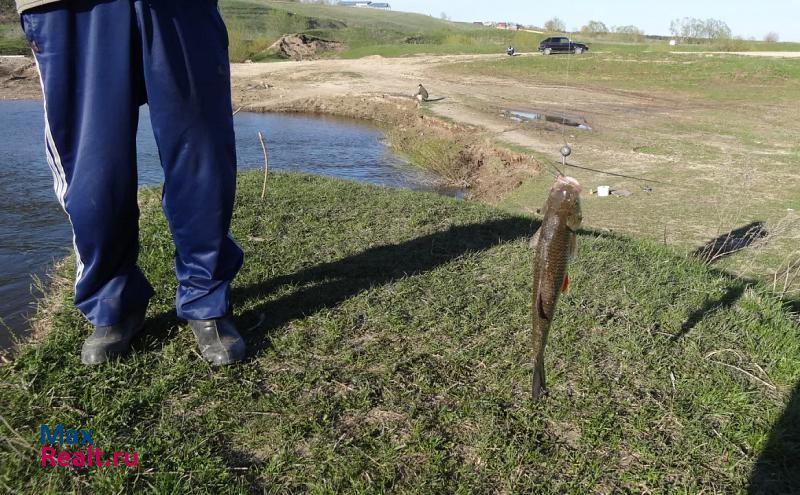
{"points": [[19, 79]]}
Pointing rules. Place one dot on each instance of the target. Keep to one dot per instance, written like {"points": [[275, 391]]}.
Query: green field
{"points": [[735, 79], [389, 353]]}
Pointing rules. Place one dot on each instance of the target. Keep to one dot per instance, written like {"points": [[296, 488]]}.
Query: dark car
{"points": [[561, 44]]}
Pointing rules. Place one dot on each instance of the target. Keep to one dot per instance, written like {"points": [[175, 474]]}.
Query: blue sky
{"points": [[745, 18]]}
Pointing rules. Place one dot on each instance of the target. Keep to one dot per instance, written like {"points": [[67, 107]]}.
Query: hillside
{"points": [[389, 352], [255, 24]]}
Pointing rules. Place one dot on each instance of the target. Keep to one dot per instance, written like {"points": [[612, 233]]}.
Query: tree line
{"points": [[686, 29], [630, 32]]}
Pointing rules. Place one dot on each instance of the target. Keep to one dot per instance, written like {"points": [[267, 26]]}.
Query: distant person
{"points": [[510, 51], [99, 61]]}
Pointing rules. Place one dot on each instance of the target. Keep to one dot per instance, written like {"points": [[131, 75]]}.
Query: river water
{"points": [[34, 231]]}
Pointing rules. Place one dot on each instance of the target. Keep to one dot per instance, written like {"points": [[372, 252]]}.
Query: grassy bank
{"points": [[388, 334], [255, 24], [12, 41]]}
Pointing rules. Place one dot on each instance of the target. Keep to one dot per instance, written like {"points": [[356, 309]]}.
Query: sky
{"points": [[751, 18]]}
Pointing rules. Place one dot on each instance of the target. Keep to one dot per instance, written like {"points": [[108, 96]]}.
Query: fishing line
{"points": [[564, 96], [566, 150], [643, 179], [554, 170]]}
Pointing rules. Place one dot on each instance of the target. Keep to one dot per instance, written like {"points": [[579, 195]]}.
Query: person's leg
{"points": [[83, 51], [187, 77]]}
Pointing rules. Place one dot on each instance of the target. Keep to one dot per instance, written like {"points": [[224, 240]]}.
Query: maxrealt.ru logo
{"points": [[89, 457]]}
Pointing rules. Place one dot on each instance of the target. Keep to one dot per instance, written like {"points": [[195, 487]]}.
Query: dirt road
{"points": [[475, 101], [18, 78]]}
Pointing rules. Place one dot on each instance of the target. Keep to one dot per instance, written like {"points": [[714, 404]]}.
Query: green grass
{"points": [[389, 339], [12, 41], [601, 43], [719, 78], [255, 24], [739, 45], [446, 155]]}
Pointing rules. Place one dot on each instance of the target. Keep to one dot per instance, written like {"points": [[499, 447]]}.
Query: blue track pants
{"points": [[99, 60]]}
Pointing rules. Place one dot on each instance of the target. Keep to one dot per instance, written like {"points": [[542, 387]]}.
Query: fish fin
{"points": [[565, 285], [535, 239], [540, 308]]}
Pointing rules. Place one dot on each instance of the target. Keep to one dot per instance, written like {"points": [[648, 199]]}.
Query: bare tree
{"points": [[594, 27], [691, 29], [771, 37], [631, 33], [555, 25], [717, 30], [443, 16]]}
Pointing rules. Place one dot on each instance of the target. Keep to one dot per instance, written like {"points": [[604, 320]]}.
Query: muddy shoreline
{"points": [[19, 79]]}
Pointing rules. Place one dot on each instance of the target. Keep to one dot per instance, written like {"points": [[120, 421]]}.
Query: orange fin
{"points": [[566, 284]]}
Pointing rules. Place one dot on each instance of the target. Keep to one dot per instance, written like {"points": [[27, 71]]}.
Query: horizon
{"points": [[745, 19]]}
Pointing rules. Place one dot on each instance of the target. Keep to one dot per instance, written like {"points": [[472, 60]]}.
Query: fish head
{"points": [[565, 200]]}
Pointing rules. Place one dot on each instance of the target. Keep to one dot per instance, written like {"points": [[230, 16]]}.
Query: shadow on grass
{"points": [[727, 300], [731, 242], [777, 470], [329, 284]]}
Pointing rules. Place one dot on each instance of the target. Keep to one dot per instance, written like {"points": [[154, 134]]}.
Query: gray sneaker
{"points": [[218, 340], [112, 341]]}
